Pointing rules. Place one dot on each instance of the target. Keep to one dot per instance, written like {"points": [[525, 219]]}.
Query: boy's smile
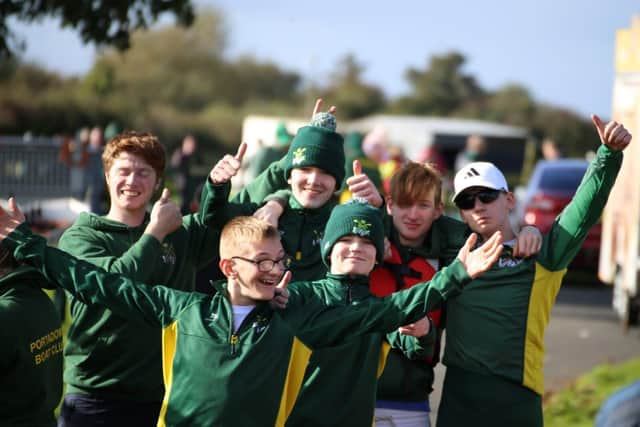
{"points": [[131, 182], [249, 283], [311, 186], [353, 255]]}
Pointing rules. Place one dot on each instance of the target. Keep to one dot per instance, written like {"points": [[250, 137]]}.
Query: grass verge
{"points": [[578, 404]]}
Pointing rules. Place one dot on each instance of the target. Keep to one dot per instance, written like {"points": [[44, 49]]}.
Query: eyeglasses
{"points": [[266, 265], [468, 201]]}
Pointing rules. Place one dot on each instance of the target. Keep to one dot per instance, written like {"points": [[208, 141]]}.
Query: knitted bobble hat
{"points": [[357, 218], [318, 145]]}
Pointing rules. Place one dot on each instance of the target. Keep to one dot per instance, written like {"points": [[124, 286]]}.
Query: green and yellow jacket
{"points": [[107, 355], [339, 385], [496, 326], [215, 376], [31, 351]]}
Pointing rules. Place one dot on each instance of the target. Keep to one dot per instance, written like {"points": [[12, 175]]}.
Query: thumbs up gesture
{"points": [[361, 186], [614, 135], [228, 166], [10, 218], [165, 217]]}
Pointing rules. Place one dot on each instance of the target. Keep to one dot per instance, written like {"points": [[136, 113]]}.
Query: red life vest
{"points": [[392, 275]]}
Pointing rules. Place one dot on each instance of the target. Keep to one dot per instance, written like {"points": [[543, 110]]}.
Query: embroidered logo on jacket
{"points": [[361, 227], [260, 324], [168, 254], [507, 259], [299, 156], [509, 262], [317, 237]]}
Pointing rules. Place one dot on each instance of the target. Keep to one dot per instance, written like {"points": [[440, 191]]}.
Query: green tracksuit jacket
{"points": [[339, 386], [495, 328], [107, 355], [31, 351], [215, 377]]}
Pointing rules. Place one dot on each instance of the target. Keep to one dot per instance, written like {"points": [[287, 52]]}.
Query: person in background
{"points": [[474, 148], [268, 154], [31, 350], [550, 150], [182, 162], [94, 172]]}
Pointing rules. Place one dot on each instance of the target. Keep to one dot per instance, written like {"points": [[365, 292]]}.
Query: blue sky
{"points": [[561, 50]]}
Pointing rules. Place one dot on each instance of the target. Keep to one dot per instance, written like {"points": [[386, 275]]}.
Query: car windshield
{"points": [[561, 179]]}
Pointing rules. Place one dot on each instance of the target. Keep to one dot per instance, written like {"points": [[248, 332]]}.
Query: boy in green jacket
{"points": [[313, 170], [495, 329], [31, 350], [160, 247], [229, 359]]}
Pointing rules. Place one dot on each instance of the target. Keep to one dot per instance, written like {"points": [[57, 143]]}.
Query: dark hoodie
{"points": [[31, 351]]}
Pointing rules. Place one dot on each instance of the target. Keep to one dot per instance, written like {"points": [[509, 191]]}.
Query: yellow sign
{"points": [[628, 48]]}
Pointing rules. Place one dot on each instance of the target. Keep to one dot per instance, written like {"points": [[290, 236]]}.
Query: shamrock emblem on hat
{"points": [[361, 227], [298, 155]]}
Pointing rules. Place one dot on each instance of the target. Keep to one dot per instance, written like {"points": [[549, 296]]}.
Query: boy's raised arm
{"points": [[86, 281]]}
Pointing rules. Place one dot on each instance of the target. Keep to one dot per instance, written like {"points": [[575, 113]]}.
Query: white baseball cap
{"points": [[479, 174]]}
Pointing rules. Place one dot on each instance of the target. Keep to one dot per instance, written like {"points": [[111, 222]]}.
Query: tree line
{"points": [[176, 80]]}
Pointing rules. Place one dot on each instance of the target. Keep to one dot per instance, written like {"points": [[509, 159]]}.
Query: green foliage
{"points": [[578, 405], [176, 80], [98, 21], [354, 97], [441, 89]]}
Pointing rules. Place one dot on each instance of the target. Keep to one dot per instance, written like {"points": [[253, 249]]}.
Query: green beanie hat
{"points": [[315, 146], [358, 218]]}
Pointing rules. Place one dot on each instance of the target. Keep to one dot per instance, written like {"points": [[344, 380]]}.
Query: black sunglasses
{"points": [[466, 201]]}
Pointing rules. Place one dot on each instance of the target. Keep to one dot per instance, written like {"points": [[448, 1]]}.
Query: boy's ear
{"points": [[226, 266], [439, 210], [511, 201], [389, 202]]}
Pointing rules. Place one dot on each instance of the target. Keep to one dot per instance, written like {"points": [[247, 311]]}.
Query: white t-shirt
{"points": [[239, 314]]}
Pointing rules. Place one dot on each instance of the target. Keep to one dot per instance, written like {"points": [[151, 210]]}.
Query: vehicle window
{"points": [[561, 179]]}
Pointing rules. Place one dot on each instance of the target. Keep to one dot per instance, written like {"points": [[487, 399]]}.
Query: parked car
{"points": [[551, 187]]}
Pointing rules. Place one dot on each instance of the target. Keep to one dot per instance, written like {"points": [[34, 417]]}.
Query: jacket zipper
{"points": [[233, 341], [300, 235]]}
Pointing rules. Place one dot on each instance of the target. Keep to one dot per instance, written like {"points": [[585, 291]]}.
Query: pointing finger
{"points": [[241, 150], [286, 278], [316, 108]]}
